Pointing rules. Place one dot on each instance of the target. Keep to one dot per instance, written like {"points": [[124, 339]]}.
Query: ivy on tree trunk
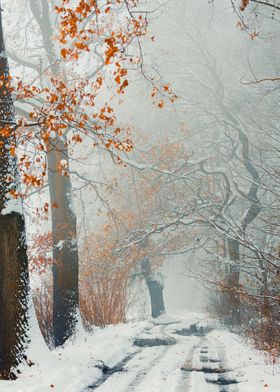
{"points": [[14, 279]]}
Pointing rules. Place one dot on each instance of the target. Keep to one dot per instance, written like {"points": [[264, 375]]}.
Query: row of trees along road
{"points": [[231, 180], [58, 109]]}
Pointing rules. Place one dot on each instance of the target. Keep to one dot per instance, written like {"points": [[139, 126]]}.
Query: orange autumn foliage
{"points": [[72, 102], [104, 280], [40, 252]]}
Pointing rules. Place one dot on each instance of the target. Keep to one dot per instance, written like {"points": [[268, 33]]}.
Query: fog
{"points": [[147, 143]]}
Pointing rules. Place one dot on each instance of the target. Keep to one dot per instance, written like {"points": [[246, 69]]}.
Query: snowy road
{"points": [[172, 357]]}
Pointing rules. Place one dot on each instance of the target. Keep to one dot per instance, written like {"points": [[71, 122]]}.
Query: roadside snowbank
{"points": [[73, 367]]}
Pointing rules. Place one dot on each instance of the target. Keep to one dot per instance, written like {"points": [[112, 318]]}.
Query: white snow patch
{"points": [[60, 244], [63, 163], [12, 205]]}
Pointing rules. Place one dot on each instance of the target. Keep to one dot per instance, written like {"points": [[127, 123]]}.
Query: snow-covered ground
{"points": [[166, 355]]}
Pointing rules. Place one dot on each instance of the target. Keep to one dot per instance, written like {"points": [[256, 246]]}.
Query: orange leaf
{"points": [[118, 79], [64, 52], [13, 151]]}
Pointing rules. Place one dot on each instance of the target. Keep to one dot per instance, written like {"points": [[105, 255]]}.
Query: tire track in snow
{"points": [[138, 367], [165, 372], [133, 366], [229, 376], [134, 371], [207, 370]]}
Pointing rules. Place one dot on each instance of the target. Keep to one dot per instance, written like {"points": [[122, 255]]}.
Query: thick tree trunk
{"points": [[233, 283], [155, 290], [65, 252], [14, 282], [156, 297], [13, 292]]}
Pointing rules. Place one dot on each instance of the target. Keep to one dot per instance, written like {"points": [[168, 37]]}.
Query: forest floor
{"points": [[183, 353]]}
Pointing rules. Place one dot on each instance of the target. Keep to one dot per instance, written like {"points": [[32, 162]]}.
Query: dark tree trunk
{"points": [[156, 297], [155, 290], [65, 252], [13, 293], [233, 283], [14, 281]]}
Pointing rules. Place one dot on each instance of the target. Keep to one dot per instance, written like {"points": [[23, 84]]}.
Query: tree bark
{"points": [[13, 293], [65, 251], [14, 280], [64, 231]]}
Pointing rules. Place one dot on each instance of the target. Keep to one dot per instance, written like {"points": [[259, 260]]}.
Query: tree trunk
{"points": [[156, 297], [233, 283], [14, 281], [155, 290], [65, 252], [265, 290], [13, 293], [64, 231]]}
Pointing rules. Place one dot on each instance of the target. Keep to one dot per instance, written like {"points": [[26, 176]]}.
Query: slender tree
{"points": [[64, 230]]}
